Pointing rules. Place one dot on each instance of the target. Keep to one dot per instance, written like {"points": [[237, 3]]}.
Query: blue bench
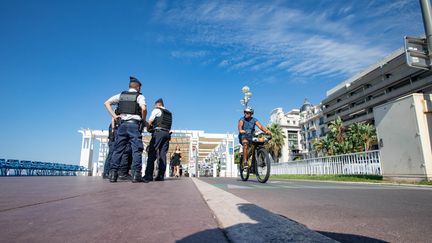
{"points": [[37, 168]]}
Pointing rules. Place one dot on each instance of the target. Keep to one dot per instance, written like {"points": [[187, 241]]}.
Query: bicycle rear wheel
{"points": [[262, 164], [244, 174]]}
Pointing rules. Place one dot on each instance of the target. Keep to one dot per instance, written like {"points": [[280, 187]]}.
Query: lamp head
{"points": [[245, 89]]}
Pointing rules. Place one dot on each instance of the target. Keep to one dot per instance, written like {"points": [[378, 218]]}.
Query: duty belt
{"points": [[161, 129], [131, 121]]}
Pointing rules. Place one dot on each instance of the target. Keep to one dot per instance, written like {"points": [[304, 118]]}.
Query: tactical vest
{"points": [[164, 121], [128, 103]]}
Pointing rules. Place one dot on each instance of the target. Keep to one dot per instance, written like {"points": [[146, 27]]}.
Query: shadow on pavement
{"points": [[349, 237], [270, 227]]}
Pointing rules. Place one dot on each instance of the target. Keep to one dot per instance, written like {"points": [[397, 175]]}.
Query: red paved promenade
{"points": [[89, 209]]}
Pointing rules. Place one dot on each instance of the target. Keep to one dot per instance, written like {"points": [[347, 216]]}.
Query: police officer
{"points": [[111, 139], [160, 122], [133, 111]]}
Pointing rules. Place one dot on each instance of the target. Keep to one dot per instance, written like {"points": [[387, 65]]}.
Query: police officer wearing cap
{"points": [[132, 112], [159, 124]]}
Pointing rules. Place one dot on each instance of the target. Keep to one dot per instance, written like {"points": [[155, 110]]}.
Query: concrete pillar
{"points": [[86, 158], [193, 152], [102, 154], [230, 154], [214, 170]]}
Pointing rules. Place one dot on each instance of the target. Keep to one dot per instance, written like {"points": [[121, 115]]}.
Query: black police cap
{"points": [[160, 100], [134, 80]]}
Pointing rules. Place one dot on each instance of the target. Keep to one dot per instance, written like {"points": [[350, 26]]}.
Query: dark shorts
{"points": [[247, 136]]}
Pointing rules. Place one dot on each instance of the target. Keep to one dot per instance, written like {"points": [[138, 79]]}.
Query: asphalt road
{"points": [[345, 212]]}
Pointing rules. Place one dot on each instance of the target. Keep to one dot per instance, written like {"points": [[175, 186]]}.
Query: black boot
{"points": [[159, 178], [113, 175], [136, 177], [124, 177]]}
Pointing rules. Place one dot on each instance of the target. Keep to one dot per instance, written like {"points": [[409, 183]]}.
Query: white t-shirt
{"points": [[140, 100]]}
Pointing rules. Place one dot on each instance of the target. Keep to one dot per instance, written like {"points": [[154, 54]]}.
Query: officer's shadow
{"points": [[270, 227]]}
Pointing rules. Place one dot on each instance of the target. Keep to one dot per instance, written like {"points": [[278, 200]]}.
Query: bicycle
{"points": [[258, 160]]}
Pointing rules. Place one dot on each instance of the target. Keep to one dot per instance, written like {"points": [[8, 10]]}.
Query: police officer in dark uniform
{"points": [[126, 160], [132, 113], [111, 140], [160, 122]]}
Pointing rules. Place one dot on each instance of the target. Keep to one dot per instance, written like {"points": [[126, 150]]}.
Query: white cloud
{"points": [[271, 36], [224, 63], [188, 54]]}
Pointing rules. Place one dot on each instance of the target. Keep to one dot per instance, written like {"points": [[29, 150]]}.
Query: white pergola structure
{"points": [[199, 151]]}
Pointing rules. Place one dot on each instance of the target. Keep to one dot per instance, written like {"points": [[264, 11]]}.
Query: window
{"points": [[293, 140], [86, 143]]}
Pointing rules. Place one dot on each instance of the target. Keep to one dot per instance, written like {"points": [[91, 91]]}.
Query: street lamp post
{"points": [[247, 96]]}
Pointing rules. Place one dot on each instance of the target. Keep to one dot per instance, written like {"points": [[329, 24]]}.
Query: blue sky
{"points": [[60, 60]]}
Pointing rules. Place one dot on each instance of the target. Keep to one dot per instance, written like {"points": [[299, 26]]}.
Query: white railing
{"points": [[346, 164]]}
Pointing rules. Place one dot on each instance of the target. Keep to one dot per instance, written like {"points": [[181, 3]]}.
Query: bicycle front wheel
{"points": [[262, 164], [244, 173]]}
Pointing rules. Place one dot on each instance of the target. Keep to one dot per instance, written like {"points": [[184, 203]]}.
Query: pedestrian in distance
{"points": [[176, 161], [160, 122], [132, 112]]}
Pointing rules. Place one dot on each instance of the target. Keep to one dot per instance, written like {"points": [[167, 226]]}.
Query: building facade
{"points": [[290, 124], [312, 126], [391, 78]]}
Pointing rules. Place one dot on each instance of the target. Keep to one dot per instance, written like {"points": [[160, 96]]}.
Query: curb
{"points": [[355, 182], [243, 221]]}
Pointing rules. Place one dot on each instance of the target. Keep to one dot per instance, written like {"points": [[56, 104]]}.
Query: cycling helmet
{"points": [[249, 109]]}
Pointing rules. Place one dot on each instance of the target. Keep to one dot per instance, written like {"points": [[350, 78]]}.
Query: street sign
{"points": [[416, 51]]}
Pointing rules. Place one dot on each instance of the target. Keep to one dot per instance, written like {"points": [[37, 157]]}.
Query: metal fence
{"points": [[367, 163], [13, 167]]}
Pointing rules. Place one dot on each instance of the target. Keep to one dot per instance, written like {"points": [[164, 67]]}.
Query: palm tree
{"points": [[354, 136], [318, 145], [337, 134], [357, 138], [368, 136], [325, 145], [277, 142], [337, 129], [329, 145], [362, 136]]}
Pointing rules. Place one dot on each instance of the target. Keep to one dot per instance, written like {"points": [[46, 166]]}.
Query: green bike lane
{"points": [[347, 212]]}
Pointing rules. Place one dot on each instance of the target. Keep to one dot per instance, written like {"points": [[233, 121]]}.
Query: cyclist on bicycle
{"points": [[246, 127]]}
